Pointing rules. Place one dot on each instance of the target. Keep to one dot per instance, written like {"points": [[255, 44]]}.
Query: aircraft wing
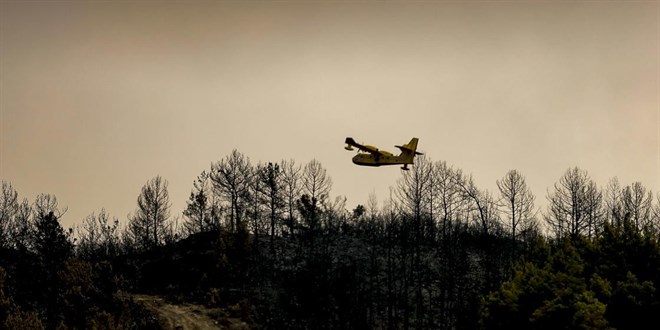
{"points": [[349, 141]]}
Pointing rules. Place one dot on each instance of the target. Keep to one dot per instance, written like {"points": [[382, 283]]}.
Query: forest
{"points": [[266, 243]]}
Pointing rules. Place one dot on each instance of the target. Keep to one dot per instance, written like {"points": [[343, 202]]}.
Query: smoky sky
{"points": [[96, 98]]}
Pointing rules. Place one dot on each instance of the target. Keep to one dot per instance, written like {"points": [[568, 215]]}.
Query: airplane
{"points": [[371, 156]]}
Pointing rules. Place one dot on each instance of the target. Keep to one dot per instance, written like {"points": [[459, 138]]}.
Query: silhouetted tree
{"points": [[98, 236], [255, 207], [271, 195], [413, 190], [613, 203], [51, 242], [414, 196], [46, 203], [316, 183], [199, 209], [483, 208], [574, 205], [336, 214], [656, 215], [8, 210], [22, 227], [432, 258], [231, 178], [291, 190], [371, 210], [53, 248], [518, 201], [147, 225], [449, 209], [448, 202], [637, 202], [359, 212]]}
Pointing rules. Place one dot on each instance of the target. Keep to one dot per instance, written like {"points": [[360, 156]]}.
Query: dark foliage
{"points": [[441, 256]]}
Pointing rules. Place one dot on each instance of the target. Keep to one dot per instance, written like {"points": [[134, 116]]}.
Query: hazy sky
{"points": [[97, 98]]}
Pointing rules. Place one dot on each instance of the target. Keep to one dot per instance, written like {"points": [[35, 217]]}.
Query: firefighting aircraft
{"points": [[371, 156]]}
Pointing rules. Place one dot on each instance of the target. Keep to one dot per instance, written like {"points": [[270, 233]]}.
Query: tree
{"points": [[49, 239], [47, 203], [147, 224], [449, 209], [637, 202], [271, 195], [447, 200], [358, 212], [517, 199], [8, 210], [98, 236], [613, 203], [23, 226], [51, 242], [198, 212], [413, 192], [575, 205], [255, 205], [291, 190], [550, 296], [316, 183], [483, 209], [633, 201], [53, 247], [656, 215], [231, 179], [414, 188], [371, 209]]}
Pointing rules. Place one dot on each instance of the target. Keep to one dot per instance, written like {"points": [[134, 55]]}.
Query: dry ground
{"points": [[188, 316]]}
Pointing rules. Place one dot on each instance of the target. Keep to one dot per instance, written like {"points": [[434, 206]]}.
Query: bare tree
{"points": [[98, 236], [574, 205], [372, 206], [613, 202], [637, 202], [451, 209], [271, 193], [336, 213], [231, 179], [594, 208], [147, 224], [256, 207], [22, 227], [8, 209], [655, 222], [483, 209], [316, 183], [198, 212], [517, 199], [413, 190], [47, 203], [291, 189], [447, 199], [414, 187]]}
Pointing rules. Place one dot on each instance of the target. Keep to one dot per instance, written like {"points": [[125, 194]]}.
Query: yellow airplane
{"points": [[371, 156]]}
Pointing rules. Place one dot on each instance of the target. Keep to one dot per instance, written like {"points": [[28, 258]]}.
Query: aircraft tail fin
{"points": [[410, 149]]}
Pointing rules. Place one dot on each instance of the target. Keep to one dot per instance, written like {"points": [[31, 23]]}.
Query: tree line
{"points": [[440, 253]]}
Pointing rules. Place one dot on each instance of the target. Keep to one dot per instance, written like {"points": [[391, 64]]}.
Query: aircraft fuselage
{"points": [[370, 160]]}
